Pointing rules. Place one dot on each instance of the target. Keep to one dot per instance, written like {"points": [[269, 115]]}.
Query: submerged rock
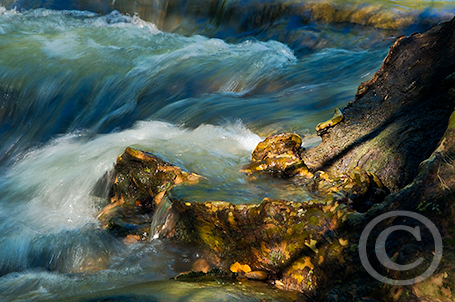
{"points": [[257, 275], [196, 287]]}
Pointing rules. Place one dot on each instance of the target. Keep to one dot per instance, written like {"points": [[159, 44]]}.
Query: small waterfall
{"points": [[164, 219]]}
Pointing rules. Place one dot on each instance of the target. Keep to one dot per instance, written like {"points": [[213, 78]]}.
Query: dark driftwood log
{"points": [[398, 117]]}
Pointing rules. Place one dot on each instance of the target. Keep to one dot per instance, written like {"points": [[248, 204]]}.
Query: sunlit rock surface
{"points": [[278, 155]]}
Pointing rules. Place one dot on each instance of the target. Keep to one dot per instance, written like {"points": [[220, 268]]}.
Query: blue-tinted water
{"points": [[200, 88]]}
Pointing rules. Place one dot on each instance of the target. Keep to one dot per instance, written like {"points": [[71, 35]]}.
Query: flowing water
{"points": [[198, 84]]}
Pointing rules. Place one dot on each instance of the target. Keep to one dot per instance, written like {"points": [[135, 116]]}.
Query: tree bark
{"points": [[398, 117]]}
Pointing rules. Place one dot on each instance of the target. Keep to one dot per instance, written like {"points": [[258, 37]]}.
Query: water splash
{"points": [[164, 219], [101, 73], [47, 209]]}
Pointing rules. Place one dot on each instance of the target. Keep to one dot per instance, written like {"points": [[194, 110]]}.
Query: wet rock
{"points": [[257, 275], [277, 237], [278, 155], [254, 241], [140, 182], [285, 143]]}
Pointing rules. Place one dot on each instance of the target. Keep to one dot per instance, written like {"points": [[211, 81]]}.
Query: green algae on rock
{"points": [[268, 237], [214, 286]]}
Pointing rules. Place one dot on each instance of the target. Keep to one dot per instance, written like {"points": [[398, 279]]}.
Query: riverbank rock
{"points": [[430, 194]]}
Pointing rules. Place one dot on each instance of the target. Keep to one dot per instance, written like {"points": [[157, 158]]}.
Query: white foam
{"points": [[57, 179]]}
